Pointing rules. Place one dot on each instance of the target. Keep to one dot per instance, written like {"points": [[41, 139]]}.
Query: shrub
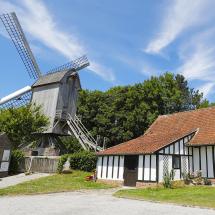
{"points": [[61, 162], [198, 179], [207, 181], [177, 184], [17, 157], [85, 161], [168, 178], [186, 177]]}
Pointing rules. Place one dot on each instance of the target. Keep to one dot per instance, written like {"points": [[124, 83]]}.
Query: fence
{"points": [[40, 164]]}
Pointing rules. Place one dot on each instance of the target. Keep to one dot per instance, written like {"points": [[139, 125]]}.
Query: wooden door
{"points": [[130, 172]]}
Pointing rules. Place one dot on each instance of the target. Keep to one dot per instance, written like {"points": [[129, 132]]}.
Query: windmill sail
{"points": [[76, 65], [17, 99], [16, 33]]}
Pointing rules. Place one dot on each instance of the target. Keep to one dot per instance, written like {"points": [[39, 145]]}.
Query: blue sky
{"points": [[125, 41]]}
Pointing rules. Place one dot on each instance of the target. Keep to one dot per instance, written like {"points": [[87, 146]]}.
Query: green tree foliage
{"points": [[21, 123], [123, 113], [71, 144]]}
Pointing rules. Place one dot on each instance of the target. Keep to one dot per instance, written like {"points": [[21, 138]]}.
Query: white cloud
{"points": [[106, 73], [178, 17], [196, 52], [39, 23], [207, 88], [198, 64]]}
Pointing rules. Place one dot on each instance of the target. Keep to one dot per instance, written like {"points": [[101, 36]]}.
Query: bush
{"points": [[61, 162], [168, 178], [16, 157], [177, 184], [186, 177], [207, 181], [85, 161]]}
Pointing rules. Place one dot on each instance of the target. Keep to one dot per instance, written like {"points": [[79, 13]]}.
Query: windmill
{"points": [[56, 92]]}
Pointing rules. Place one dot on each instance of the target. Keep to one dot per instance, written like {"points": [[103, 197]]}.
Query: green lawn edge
{"points": [[55, 184], [201, 196]]}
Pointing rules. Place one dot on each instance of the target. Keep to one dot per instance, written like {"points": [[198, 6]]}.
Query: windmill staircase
{"points": [[82, 134]]}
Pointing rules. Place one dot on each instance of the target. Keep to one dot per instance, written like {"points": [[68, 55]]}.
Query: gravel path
{"points": [[16, 179], [87, 203]]}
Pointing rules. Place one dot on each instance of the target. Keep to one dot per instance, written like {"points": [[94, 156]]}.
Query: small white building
{"points": [[184, 142]]}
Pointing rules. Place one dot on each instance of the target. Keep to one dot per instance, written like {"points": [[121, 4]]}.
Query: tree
{"points": [[20, 124], [123, 113], [71, 144]]}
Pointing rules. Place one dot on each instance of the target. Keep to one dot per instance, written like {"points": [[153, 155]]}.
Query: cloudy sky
{"points": [[125, 41]]}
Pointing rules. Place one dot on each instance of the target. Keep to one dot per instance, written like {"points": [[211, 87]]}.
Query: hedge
{"points": [[84, 160], [16, 157], [61, 162]]}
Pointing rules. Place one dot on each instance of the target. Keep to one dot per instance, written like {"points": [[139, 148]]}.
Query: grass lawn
{"points": [[54, 183], [195, 196]]}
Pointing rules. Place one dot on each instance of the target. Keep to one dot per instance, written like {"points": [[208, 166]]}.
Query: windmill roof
{"points": [[50, 78], [169, 128]]}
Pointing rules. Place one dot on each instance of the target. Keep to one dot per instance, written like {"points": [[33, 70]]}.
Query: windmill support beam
{"points": [[15, 95]]}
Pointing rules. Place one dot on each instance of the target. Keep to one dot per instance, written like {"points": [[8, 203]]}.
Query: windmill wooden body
{"points": [[56, 92]]}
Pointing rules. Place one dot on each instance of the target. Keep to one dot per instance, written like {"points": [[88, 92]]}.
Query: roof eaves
{"points": [[193, 131]]}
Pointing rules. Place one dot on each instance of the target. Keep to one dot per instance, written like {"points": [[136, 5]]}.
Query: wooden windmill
{"points": [[56, 92]]}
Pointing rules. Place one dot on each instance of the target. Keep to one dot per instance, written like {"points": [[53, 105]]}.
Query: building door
{"points": [[130, 172]]}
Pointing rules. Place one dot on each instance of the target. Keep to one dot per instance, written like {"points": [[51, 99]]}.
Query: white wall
{"points": [[203, 159], [140, 168], [210, 162], [110, 167], [149, 169]]}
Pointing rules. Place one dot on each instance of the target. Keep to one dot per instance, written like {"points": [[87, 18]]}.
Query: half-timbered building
{"points": [[183, 142]]}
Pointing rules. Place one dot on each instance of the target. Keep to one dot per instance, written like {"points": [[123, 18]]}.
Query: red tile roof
{"points": [[169, 128]]}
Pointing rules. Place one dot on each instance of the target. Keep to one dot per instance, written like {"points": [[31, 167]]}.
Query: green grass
{"points": [[196, 196], [55, 183]]}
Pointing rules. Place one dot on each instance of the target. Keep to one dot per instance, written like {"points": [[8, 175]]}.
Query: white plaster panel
{"points": [[160, 168], [186, 150], [171, 149], [210, 162], [203, 161], [190, 164], [115, 169], [166, 150], [161, 151], [121, 168], [140, 167], [153, 168], [185, 139], [99, 167], [110, 167], [104, 167], [196, 158], [147, 169], [176, 148], [181, 147]]}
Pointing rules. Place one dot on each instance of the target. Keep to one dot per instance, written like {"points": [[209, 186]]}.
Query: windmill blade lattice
{"points": [[76, 65], [16, 33], [22, 100]]}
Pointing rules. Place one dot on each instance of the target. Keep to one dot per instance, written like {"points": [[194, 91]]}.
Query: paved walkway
{"points": [[89, 203], [16, 179]]}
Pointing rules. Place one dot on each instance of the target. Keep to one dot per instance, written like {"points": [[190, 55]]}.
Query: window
{"points": [[176, 163]]}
